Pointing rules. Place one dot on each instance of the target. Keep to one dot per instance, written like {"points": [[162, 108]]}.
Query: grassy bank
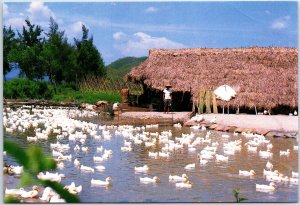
{"points": [[29, 89]]}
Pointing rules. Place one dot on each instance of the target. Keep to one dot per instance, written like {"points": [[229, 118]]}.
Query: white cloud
{"points": [[119, 36], [16, 22], [5, 10], [75, 30], [139, 43], [40, 13], [281, 23], [151, 9]]}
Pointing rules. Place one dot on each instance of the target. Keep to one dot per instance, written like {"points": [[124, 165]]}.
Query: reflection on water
{"points": [[213, 182]]}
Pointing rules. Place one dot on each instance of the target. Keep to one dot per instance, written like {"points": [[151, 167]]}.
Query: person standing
{"points": [[167, 96]]}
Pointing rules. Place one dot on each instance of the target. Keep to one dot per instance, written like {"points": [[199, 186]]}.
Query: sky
{"points": [[131, 28]]}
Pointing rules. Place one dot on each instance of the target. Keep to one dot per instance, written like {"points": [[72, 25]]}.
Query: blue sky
{"points": [[131, 28]]}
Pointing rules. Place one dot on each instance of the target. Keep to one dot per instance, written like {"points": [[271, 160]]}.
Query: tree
{"points": [[9, 43], [58, 57], [27, 51], [89, 58]]}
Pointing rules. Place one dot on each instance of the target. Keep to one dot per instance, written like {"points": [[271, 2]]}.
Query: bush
{"points": [[20, 88]]}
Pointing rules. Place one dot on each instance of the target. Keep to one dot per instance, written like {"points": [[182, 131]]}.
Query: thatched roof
{"points": [[262, 77]]}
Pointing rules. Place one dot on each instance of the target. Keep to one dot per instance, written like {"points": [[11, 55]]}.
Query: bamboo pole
{"points": [[201, 101], [214, 103], [208, 101]]}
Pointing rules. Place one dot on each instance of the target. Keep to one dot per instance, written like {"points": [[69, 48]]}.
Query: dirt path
{"points": [[282, 123]]}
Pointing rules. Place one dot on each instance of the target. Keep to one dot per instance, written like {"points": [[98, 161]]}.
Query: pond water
{"points": [[212, 182]]}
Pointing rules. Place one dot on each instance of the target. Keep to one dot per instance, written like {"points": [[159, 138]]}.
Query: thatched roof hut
{"points": [[264, 77]]}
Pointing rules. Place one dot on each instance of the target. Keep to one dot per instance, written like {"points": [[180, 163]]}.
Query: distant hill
{"points": [[120, 67]]}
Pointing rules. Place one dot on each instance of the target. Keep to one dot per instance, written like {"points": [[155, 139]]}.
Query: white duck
{"points": [[251, 149], [107, 182], [247, 173], [221, 158], [50, 176], [73, 189], [56, 199], [100, 168], [31, 194], [186, 184], [99, 149], [16, 169], [98, 159], [190, 166], [202, 161], [270, 187], [15, 192], [76, 148], [86, 168], [274, 173], [155, 179], [294, 180], [141, 169], [294, 174], [176, 178], [61, 165], [76, 162], [265, 154], [269, 165], [85, 149], [284, 153]]}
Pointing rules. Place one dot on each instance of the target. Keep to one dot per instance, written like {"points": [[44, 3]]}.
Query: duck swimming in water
{"points": [[270, 187], [107, 182], [155, 179], [176, 178], [186, 184], [247, 173]]}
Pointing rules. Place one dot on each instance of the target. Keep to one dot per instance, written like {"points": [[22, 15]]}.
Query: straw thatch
{"points": [[262, 77]]}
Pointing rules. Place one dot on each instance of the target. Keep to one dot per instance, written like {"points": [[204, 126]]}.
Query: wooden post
{"points": [[255, 109], [214, 102], [223, 109], [227, 107], [238, 110], [201, 101], [193, 107], [207, 101]]}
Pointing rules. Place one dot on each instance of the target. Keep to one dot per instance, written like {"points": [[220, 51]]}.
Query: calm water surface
{"points": [[213, 182]]}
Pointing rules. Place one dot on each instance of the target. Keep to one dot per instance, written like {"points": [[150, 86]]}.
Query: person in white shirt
{"points": [[167, 96]]}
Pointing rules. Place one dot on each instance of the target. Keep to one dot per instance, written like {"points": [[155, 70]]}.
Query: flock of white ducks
{"points": [[61, 122]]}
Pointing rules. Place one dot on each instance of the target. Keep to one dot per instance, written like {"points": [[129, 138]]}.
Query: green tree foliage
{"points": [[57, 56], [9, 43], [26, 89], [52, 55], [27, 51], [89, 59]]}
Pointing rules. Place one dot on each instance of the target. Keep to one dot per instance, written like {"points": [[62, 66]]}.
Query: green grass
{"points": [[68, 95]]}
